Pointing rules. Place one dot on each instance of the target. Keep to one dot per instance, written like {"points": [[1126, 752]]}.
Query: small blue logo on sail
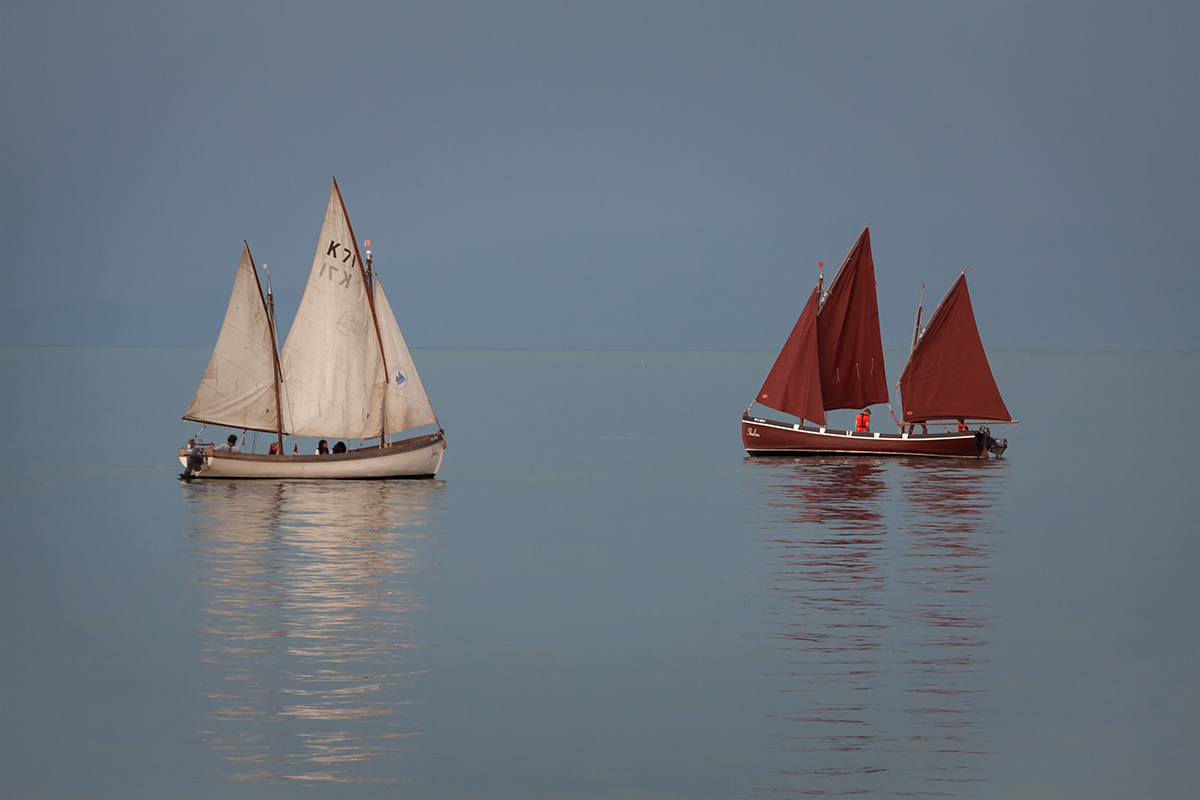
{"points": [[401, 379]]}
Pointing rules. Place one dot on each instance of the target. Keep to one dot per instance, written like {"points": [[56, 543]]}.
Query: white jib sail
{"points": [[332, 367], [406, 403], [238, 389]]}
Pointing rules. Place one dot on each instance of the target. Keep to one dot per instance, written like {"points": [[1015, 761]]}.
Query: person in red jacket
{"points": [[862, 423], [962, 426]]}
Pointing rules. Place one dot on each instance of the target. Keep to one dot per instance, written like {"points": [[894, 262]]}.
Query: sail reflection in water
{"points": [[876, 567], [309, 617]]}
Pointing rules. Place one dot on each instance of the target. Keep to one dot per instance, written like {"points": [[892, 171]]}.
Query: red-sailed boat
{"points": [[834, 360]]}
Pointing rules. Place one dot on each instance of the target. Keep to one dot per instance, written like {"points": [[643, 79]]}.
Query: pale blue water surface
{"points": [[601, 596]]}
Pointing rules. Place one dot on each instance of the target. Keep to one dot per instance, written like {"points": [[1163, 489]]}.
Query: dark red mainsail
{"points": [[850, 349], [793, 385], [948, 376]]}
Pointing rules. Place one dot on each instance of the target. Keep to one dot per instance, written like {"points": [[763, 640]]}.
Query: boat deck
{"points": [[764, 437], [418, 457]]}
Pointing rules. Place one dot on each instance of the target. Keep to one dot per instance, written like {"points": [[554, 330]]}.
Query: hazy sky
{"points": [[604, 174]]}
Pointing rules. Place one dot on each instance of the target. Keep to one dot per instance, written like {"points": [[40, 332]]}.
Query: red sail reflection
{"points": [[309, 611], [877, 567]]}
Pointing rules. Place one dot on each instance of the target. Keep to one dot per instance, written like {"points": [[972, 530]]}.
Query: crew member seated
{"points": [[230, 445], [340, 447], [962, 426], [862, 423], [322, 448]]}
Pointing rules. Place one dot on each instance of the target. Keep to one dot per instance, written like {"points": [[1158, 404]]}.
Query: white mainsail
{"points": [[332, 365], [238, 389], [406, 405]]}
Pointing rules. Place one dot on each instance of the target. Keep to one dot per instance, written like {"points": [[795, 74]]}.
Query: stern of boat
{"points": [[991, 445], [195, 458]]}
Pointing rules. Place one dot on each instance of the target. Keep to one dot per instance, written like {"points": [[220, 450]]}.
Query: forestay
{"points": [[333, 368], [238, 389]]}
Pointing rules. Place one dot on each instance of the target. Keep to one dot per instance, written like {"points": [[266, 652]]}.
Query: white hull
{"points": [[419, 457]]}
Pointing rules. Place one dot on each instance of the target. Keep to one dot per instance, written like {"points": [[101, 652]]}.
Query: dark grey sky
{"points": [[641, 174]]}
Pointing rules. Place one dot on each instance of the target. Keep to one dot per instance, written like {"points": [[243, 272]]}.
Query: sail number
{"points": [[351, 257]]}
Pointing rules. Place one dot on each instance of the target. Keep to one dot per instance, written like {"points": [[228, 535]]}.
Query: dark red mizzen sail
{"points": [[850, 349], [947, 375], [793, 385]]}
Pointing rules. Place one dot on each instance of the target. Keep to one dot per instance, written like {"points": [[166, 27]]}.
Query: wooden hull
{"points": [[763, 437], [419, 457]]}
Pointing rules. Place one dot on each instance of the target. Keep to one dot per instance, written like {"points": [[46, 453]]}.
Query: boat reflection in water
{"points": [[308, 621], [876, 571]]}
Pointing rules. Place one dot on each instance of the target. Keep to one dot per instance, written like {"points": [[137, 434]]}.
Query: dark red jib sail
{"points": [[947, 375], [793, 385], [850, 350]]}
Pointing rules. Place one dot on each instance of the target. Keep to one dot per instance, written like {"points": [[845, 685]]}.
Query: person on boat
{"points": [[230, 445], [322, 448], [340, 447], [862, 423], [912, 428], [273, 450], [962, 426]]}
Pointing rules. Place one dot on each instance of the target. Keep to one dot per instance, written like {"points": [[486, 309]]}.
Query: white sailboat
{"points": [[344, 373]]}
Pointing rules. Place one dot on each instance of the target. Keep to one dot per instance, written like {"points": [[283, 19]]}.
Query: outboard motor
{"points": [[983, 438], [195, 463]]}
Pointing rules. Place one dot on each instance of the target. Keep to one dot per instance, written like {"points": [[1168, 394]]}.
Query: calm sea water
{"points": [[601, 595]]}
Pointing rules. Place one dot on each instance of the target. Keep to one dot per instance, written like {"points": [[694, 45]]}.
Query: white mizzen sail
{"points": [[332, 362], [238, 389], [406, 403]]}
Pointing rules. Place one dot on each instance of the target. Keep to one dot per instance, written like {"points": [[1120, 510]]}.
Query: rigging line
{"points": [[269, 308], [374, 318], [917, 325], [838, 274], [932, 317]]}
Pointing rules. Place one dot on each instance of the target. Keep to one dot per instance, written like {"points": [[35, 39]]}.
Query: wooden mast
{"points": [[916, 338], [917, 325], [278, 368], [269, 304]]}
